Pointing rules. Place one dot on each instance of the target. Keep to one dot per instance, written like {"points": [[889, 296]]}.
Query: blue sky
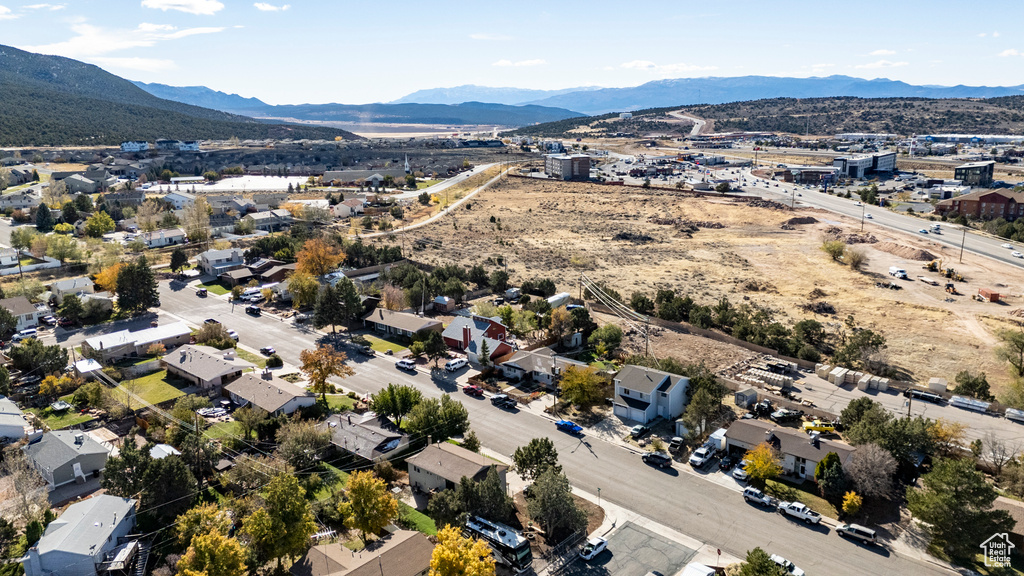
{"points": [[354, 52]]}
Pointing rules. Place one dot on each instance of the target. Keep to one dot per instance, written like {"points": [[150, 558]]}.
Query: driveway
{"points": [[634, 551]]}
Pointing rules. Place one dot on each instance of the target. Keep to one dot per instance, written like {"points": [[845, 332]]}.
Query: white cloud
{"points": [[982, 35], [93, 41], [135, 63], [264, 7], [201, 7], [995, 34], [489, 37], [881, 64], [1010, 52], [665, 69], [5, 13], [50, 7], [536, 62], [883, 52]]}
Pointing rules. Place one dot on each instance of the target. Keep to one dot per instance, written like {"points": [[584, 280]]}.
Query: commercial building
{"points": [[975, 173], [866, 137], [567, 167], [813, 175], [985, 204], [971, 138], [861, 166]]}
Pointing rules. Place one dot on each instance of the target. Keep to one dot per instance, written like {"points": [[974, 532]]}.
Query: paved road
{"points": [[678, 499], [442, 185], [698, 124]]}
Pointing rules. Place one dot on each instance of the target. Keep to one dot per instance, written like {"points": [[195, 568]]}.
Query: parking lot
{"points": [[635, 551]]}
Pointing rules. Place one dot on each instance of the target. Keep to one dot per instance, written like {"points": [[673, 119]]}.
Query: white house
{"points": [[12, 420], [643, 394], [443, 465], [20, 200], [138, 146], [800, 453], [9, 257], [180, 200], [161, 238], [77, 542], [27, 313], [217, 262]]}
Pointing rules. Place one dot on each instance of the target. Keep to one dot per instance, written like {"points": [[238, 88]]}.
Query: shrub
{"points": [[274, 361], [809, 353], [833, 248], [855, 257]]}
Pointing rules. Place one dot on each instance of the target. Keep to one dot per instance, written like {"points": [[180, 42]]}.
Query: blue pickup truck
{"points": [[569, 426]]}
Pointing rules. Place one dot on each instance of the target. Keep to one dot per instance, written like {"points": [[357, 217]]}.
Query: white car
{"points": [[868, 216], [857, 204], [1016, 254], [593, 547], [740, 471], [700, 457], [788, 566], [405, 365], [233, 334], [1007, 246]]}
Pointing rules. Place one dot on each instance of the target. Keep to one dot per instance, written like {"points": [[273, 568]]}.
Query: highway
{"points": [[698, 124], [677, 498]]}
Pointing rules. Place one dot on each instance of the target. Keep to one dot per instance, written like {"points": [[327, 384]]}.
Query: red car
{"points": [[473, 390]]}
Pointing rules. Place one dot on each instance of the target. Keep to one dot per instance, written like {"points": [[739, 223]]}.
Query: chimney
{"points": [[815, 438], [79, 439], [467, 335]]}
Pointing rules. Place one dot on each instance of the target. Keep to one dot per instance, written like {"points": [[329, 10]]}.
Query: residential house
{"points": [[98, 173], [800, 452], [272, 394], [348, 208], [216, 262], [125, 343], [280, 290], [205, 366], [399, 323], [269, 200], [221, 224], [443, 465], [9, 257], [368, 436], [125, 198], [23, 200], [542, 366], [13, 425], [180, 200], [270, 221], [261, 265], [401, 553], [27, 313], [161, 451], [443, 304], [20, 176], [82, 538], [279, 273], [236, 204], [469, 334], [66, 456], [161, 238], [237, 277], [355, 177], [80, 184], [643, 394], [79, 286], [985, 204]]}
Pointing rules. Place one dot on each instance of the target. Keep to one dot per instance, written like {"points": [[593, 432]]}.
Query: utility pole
{"points": [[962, 242], [863, 207], [647, 336]]}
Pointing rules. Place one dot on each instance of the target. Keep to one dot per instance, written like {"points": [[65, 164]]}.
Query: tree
{"points": [[146, 215], [44, 219], [35, 357], [536, 457], [831, 459], [477, 275], [326, 311], [179, 259], [833, 483], [213, 554], [763, 463], [855, 410], [63, 248], [998, 451], [349, 303], [457, 555], [53, 386], [759, 563], [561, 324], [948, 436], [1012, 348], [372, 505], [8, 324], [609, 336], [722, 187], [29, 501], [301, 443], [202, 519], [834, 248], [320, 364], [395, 401], [552, 506], [107, 278], [283, 525], [852, 503], [440, 419], [871, 469], [582, 387], [704, 407], [68, 212], [98, 224], [471, 442], [435, 348], [5, 381], [169, 487], [499, 281], [974, 386], [317, 258], [136, 287], [196, 220], [956, 505], [83, 202], [304, 289], [249, 419]]}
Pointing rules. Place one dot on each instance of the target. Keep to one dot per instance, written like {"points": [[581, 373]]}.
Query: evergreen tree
{"points": [[179, 259], [327, 310], [44, 219], [349, 302]]}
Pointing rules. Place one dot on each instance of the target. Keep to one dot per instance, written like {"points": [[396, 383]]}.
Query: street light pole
{"points": [[863, 207], [962, 242]]}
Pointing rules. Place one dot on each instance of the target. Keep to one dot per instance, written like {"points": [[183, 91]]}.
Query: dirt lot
{"points": [[557, 230]]}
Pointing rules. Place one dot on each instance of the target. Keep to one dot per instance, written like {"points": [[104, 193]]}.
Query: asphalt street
{"points": [[677, 498]]}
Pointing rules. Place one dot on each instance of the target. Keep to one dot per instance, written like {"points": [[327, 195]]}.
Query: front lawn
{"points": [[382, 345], [426, 184], [416, 520], [340, 403], [334, 479], [256, 359], [785, 490], [127, 362], [156, 387], [64, 419], [222, 430], [219, 288]]}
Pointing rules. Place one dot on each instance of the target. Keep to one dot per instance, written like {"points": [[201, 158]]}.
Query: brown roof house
{"points": [[800, 452], [26, 313], [272, 394], [441, 466], [205, 366], [399, 323], [402, 553]]}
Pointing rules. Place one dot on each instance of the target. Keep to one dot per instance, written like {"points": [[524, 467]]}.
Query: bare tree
{"points": [[147, 215], [999, 453], [197, 220], [29, 500], [56, 194], [871, 469]]}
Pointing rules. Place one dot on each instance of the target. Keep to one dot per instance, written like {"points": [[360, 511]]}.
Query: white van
{"points": [[453, 365], [26, 333], [898, 272], [405, 365], [250, 292]]}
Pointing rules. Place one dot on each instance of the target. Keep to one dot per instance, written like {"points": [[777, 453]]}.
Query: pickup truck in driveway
{"points": [[800, 512]]}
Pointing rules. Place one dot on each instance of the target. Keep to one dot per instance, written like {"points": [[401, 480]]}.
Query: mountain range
{"points": [[51, 100], [474, 93]]}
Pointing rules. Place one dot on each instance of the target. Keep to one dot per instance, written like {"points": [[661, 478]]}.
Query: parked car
{"points": [[593, 547], [569, 426], [201, 292], [676, 444], [726, 463], [818, 426], [32, 379], [453, 365], [639, 431], [404, 364], [25, 334], [700, 457], [268, 350], [233, 334], [788, 566], [503, 401], [858, 532], [740, 471], [49, 321], [799, 511], [751, 494], [657, 459], [367, 350], [65, 322], [253, 309], [472, 390], [784, 415], [210, 321]]}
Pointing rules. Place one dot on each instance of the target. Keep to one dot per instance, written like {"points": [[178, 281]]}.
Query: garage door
{"points": [[621, 411], [638, 415]]}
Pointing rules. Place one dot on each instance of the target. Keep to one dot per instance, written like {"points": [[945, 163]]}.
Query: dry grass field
{"points": [[643, 240]]}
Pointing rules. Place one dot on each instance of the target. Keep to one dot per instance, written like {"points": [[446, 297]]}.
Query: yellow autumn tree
{"points": [[456, 555], [371, 504], [317, 257], [213, 554], [852, 503], [320, 364], [763, 463], [107, 278]]}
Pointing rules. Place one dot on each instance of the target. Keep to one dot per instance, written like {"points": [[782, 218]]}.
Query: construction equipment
{"points": [[934, 265], [951, 289], [953, 275]]}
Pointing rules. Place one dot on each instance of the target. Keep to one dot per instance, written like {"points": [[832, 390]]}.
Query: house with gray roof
{"points": [[542, 366], [22, 200], [800, 452], [80, 184], [161, 238], [81, 285], [399, 323], [270, 220], [125, 343], [401, 553], [12, 420], [469, 335], [205, 366], [368, 436], [272, 394], [26, 313], [443, 465], [180, 200], [643, 394], [217, 262], [81, 539], [66, 456]]}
